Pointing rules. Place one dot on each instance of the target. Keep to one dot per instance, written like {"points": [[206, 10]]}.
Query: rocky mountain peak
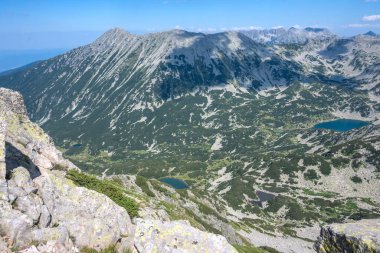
{"points": [[114, 37], [117, 32]]}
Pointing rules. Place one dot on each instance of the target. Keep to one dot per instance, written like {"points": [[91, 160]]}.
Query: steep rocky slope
{"points": [[39, 206]]}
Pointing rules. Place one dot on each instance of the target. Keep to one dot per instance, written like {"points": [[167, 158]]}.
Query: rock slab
{"points": [[359, 237], [154, 236]]}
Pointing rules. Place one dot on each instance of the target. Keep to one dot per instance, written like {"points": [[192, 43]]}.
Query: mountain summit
{"points": [[370, 33]]}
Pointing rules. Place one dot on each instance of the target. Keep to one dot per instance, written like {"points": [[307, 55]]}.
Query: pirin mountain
{"points": [[232, 114]]}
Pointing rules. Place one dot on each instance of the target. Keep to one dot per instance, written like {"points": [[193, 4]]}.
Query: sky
{"points": [[63, 24]]}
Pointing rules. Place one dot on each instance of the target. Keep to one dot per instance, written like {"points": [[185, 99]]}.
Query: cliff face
{"points": [[43, 211], [362, 236]]}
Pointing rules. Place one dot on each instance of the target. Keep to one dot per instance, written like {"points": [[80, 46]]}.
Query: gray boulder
{"points": [[178, 237], [91, 218], [14, 225], [30, 205], [3, 182], [21, 178], [4, 246], [58, 234], [361, 236], [14, 191], [45, 218]]}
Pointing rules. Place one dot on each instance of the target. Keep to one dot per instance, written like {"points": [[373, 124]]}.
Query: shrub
{"points": [[106, 187], [311, 175], [248, 249], [58, 166], [143, 184], [356, 180], [325, 168]]}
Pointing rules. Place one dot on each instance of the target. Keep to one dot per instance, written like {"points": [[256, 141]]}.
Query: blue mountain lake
{"points": [[174, 182], [342, 125]]}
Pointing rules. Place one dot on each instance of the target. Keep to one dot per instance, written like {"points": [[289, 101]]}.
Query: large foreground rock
{"points": [[177, 236], [92, 219], [38, 204], [359, 237]]}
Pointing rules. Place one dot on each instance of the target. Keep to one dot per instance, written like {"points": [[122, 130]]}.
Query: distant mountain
{"points": [[148, 68], [291, 36], [353, 61], [370, 33]]}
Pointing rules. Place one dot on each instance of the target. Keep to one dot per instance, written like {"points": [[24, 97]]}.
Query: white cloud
{"points": [[358, 25], [371, 18], [364, 25], [297, 26], [242, 28], [277, 27]]}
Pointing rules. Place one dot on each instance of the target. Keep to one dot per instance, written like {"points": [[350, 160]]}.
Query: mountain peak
{"points": [[180, 32], [117, 32], [114, 35], [370, 33]]}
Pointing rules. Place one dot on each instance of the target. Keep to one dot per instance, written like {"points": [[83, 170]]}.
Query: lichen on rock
{"points": [[154, 236]]}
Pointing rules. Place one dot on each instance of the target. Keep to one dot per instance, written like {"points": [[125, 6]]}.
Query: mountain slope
{"points": [[231, 117], [350, 61]]}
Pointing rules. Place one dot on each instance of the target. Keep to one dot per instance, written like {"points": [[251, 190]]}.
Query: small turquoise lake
{"points": [[174, 182], [342, 125]]}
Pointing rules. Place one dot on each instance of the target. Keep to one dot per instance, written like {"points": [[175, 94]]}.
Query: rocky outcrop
{"points": [[38, 204], [43, 211], [157, 236], [362, 236], [91, 218]]}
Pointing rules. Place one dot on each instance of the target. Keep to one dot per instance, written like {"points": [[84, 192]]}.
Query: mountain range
{"points": [[231, 114]]}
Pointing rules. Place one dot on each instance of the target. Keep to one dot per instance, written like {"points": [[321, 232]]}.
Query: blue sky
{"points": [[43, 24]]}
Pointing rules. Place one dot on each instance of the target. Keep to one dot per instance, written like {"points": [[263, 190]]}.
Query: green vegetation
{"points": [[106, 187], [322, 194], [249, 249], [357, 179], [311, 175], [142, 182]]}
